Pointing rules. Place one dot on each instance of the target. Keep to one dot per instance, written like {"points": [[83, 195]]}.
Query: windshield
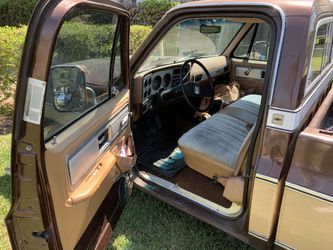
{"points": [[193, 38]]}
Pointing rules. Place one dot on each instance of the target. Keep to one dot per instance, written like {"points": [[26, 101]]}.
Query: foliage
{"points": [[137, 34], [147, 12], [77, 41], [11, 44], [151, 11], [132, 7], [16, 12]]}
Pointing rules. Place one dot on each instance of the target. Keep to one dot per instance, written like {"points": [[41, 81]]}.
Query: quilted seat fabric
{"points": [[217, 147]]}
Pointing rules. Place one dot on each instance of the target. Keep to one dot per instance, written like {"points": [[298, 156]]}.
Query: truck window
{"points": [[81, 68], [256, 43], [321, 54]]}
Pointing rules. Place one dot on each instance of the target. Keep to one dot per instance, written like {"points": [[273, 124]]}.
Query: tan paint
{"points": [[262, 208], [301, 223], [75, 209], [248, 83]]}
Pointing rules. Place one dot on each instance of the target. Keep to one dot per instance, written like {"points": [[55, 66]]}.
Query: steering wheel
{"points": [[195, 89]]}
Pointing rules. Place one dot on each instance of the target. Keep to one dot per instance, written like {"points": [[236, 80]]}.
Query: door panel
{"points": [[76, 205], [72, 127], [249, 73], [306, 216]]}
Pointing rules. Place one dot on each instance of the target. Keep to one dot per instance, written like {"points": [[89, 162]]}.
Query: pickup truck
{"points": [[225, 112]]}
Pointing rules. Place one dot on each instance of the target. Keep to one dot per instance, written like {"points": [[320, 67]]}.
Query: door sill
{"points": [[232, 212]]}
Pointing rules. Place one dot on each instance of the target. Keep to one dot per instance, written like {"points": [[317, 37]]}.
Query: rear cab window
{"points": [[322, 54], [255, 45]]}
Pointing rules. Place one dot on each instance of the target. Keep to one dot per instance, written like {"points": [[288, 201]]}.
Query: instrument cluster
{"points": [[156, 82]]}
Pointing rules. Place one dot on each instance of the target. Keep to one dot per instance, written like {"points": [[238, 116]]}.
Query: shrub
{"points": [[16, 12], [151, 11], [76, 42], [131, 7], [147, 12], [137, 34], [11, 44]]}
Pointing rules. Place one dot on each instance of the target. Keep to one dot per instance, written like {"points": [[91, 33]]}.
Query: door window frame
{"points": [[310, 84], [28, 139], [117, 38], [255, 28]]}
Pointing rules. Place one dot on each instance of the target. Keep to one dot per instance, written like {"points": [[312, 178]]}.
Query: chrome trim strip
{"points": [[257, 235], [267, 178], [234, 211], [313, 83], [292, 119], [309, 192], [280, 244]]}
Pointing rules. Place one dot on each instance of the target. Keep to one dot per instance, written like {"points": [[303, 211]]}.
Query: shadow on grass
{"points": [[5, 125], [148, 223], [5, 187]]}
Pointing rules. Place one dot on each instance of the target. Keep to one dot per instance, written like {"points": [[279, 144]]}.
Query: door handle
{"points": [[124, 122], [247, 72]]}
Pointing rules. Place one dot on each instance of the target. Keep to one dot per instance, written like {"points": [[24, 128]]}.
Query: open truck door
{"points": [[72, 148]]}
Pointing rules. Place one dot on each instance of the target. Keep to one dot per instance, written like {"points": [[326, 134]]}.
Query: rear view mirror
{"points": [[69, 88], [210, 29]]}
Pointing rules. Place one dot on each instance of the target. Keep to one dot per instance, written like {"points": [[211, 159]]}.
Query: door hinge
{"points": [[45, 235]]}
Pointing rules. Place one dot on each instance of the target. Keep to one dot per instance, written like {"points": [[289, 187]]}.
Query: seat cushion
{"points": [[217, 147]]}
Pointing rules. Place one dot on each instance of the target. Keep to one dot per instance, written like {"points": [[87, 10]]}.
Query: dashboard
{"points": [[156, 82], [159, 85]]}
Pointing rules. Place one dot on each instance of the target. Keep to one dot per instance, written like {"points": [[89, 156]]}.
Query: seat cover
{"points": [[217, 147]]}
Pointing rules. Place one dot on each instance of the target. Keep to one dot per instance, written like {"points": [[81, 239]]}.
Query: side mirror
{"points": [[69, 88]]}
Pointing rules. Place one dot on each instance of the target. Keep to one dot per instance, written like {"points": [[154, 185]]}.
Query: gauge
{"points": [[166, 80], [156, 83]]}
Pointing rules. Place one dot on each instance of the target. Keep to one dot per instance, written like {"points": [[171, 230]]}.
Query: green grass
{"points": [[146, 223], [4, 188]]}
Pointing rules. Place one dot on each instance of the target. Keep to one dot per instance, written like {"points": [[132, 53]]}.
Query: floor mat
{"points": [[162, 156], [200, 185]]}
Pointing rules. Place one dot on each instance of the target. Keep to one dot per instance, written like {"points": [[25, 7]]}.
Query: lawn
{"points": [[4, 188], [146, 222]]}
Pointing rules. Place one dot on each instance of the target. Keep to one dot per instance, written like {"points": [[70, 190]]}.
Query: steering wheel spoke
{"points": [[195, 89]]}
